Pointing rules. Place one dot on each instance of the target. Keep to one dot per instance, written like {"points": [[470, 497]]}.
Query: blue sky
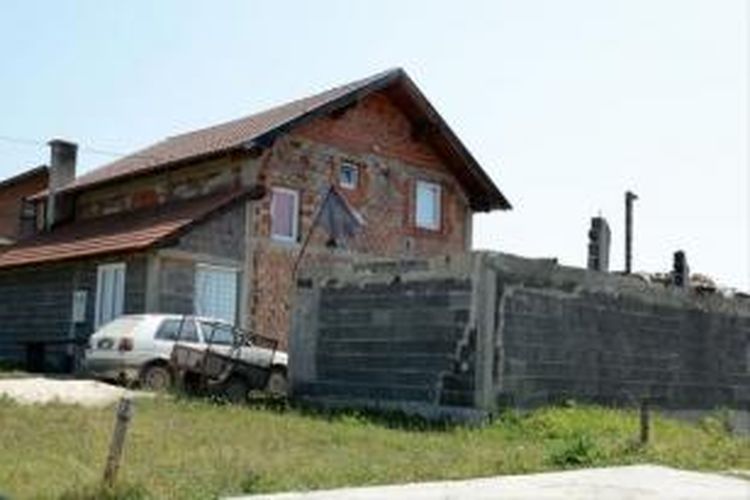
{"points": [[566, 104]]}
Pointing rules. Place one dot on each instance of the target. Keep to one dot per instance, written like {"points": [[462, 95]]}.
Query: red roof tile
{"points": [[116, 233], [219, 138], [258, 128]]}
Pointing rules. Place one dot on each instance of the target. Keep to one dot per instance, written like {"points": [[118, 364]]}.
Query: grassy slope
{"points": [[181, 449]]}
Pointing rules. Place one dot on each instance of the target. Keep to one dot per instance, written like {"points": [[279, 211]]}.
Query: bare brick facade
{"points": [[12, 192], [376, 137]]}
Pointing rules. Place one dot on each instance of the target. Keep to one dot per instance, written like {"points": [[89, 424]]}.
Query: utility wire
{"points": [[95, 151]]}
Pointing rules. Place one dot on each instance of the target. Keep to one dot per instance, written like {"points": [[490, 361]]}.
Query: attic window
{"points": [[348, 176]]}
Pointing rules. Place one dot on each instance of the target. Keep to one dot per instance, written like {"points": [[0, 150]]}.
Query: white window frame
{"points": [[355, 169], [119, 293], [225, 269], [436, 188], [295, 213]]}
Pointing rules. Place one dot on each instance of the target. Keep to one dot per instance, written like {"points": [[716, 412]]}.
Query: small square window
{"points": [[427, 207], [348, 176]]}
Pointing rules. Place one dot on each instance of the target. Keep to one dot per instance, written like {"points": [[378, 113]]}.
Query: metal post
{"points": [[645, 422], [124, 415], [629, 198]]}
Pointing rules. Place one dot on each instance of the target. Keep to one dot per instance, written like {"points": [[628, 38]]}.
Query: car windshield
{"points": [[217, 333]]}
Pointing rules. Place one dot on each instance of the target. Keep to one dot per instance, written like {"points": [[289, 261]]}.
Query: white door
{"points": [[110, 293], [216, 292]]}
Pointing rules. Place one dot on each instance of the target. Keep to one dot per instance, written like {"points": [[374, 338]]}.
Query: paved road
{"points": [[639, 482]]}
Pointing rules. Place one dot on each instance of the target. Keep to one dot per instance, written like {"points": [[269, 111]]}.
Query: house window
{"points": [[284, 214], [348, 176], [110, 293], [216, 292], [427, 214]]}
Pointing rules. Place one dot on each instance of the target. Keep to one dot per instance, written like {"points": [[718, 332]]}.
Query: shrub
{"points": [[250, 482], [575, 452]]}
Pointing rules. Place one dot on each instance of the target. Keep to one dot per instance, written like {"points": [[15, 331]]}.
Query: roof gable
{"points": [[374, 125], [259, 130]]}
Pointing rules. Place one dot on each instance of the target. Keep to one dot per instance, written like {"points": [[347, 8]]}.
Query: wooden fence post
{"points": [[645, 422], [124, 415]]}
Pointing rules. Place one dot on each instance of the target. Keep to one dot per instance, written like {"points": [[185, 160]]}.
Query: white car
{"points": [[137, 348]]}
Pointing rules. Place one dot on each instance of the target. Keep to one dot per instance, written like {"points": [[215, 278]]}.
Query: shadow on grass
{"points": [[391, 419]]}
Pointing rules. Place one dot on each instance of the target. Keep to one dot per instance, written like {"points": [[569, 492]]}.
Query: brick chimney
{"points": [[62, 171]]}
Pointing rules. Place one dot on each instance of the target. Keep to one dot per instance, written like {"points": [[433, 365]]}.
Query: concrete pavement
{"points": [[638, 482]]}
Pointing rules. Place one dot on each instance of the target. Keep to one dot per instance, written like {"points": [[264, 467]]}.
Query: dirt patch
{"points": [[40, 390]]}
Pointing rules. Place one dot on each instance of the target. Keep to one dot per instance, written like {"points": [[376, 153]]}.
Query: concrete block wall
{"points": [[222, 235], [569, 333], [384, 343], [487, 331], [36, 303]]}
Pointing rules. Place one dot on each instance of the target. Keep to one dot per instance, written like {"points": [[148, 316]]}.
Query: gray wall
{"points": [[36, 303], [390, 342], [491, 330], [222, 235], [567, 333], [220, 240]]}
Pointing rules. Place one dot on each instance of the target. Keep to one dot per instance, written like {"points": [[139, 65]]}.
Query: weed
{"points": [[194, 449], [101, 492], [251, 482], [577, 451]]}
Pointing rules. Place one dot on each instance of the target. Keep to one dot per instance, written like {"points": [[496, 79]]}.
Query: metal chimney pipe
{"points": [[629, 198]]}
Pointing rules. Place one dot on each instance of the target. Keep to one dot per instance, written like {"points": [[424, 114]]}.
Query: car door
{"points": [[172, 330], [218, 336]]}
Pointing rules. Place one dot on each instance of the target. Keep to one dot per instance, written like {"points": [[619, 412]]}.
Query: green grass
{"points": [[193, 449]]}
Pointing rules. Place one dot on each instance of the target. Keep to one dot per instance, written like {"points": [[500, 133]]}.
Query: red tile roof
{"points": [[124, 232], [219, 138], [261, 128], [40, 171]]}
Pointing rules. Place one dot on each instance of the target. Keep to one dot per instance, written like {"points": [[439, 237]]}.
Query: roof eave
{"points": [[491, 198]]}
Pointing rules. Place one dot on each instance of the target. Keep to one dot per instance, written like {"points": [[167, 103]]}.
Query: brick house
{"points": [[13, 194], [214, 222]]}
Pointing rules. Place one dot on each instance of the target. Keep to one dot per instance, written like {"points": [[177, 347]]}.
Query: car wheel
{"points": [[156, 378], [277, 385], [236, 390]]}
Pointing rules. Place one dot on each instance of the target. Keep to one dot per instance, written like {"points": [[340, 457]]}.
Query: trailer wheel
{"points": [[277, 385], [236, 390]]}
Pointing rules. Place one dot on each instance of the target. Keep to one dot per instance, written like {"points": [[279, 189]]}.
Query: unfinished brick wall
{"points": [[11, 196], [163, 187], [375, 136]]}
